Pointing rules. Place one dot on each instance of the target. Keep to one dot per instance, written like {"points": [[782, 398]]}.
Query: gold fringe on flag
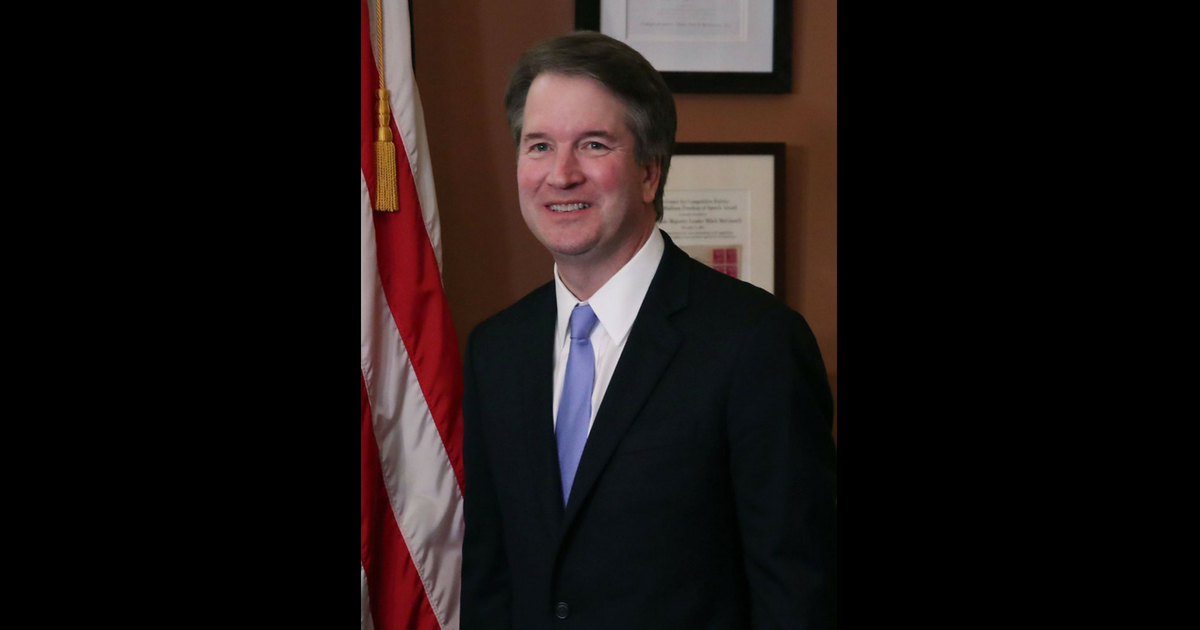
{"points": [[385, 151], [385, 160]]}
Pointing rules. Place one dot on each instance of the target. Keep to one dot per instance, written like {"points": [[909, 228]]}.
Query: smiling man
{"points": [[646, 441], [583, 192]]}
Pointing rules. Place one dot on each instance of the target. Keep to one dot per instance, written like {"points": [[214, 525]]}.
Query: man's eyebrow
{"points": [[596, 133]]}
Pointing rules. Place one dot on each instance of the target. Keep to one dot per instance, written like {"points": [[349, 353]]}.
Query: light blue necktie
{"points": [[575, 404]]}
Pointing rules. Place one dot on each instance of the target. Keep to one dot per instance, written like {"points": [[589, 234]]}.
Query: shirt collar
{"points": [[616, 304]]}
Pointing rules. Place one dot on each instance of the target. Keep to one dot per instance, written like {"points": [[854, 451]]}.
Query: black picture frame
{"points": [[778, 81]]}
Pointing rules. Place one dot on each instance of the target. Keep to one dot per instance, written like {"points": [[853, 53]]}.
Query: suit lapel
{"points": [[535, 389], [652, 343]]}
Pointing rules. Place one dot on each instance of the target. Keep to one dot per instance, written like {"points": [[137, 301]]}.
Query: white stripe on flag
{"points": [[364, 616]]}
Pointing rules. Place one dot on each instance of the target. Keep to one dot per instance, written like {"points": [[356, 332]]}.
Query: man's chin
{"points": [[570, 250]]}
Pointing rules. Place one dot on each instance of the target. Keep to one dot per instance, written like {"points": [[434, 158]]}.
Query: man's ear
{"points": [[653, 171]]}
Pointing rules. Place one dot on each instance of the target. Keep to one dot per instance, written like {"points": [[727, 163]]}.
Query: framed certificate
{"points": [[723, 205], [703, 46]]}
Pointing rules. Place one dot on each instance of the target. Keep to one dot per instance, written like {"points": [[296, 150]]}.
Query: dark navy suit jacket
{"points": [[706, 494]]}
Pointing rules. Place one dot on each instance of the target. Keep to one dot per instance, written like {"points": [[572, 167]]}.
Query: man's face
{"points": [[582, 193]]}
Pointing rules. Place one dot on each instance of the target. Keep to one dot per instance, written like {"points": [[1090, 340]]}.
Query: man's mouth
{"points": [[568, 207]]}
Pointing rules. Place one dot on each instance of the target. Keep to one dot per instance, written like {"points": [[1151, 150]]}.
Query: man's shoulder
{"points": [[721, 306], [539, 303], [685, 279], [711, 289]]}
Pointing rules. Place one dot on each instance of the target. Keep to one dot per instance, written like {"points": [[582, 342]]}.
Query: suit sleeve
{"points": [[784, 470], [486, 586]]}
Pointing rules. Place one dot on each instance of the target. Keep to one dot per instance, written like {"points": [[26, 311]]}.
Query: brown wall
{"points": [[464, 51]]}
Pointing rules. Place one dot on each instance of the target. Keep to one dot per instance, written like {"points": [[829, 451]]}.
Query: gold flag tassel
{"points": [[385, 160], [385, 151]]}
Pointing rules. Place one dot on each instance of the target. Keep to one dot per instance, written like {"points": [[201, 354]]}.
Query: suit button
{"points": [[561, 610]]}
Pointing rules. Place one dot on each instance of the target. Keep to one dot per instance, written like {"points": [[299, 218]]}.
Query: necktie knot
{"points": [[583, 320]]}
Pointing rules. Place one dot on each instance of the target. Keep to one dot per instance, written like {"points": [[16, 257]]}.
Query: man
{"points": [[647, 441]]}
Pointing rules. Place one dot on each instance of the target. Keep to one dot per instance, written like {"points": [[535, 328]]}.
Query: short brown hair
{"points": [[650, 107]]}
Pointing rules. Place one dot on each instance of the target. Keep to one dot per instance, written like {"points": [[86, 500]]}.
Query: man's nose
{"points": [[566, 171]]}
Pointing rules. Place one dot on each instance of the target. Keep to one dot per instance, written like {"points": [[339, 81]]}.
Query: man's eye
{"points": [[541, 146], [596, 146]]}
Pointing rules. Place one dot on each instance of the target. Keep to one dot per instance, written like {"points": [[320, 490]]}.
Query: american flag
{"points": [[411, 425]]}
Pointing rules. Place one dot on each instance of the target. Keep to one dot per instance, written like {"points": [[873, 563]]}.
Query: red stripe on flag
{"points": [[411, 280], [396, 594]]}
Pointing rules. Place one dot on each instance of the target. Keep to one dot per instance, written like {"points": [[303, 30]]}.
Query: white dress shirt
{"points": [[616, 305]]}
